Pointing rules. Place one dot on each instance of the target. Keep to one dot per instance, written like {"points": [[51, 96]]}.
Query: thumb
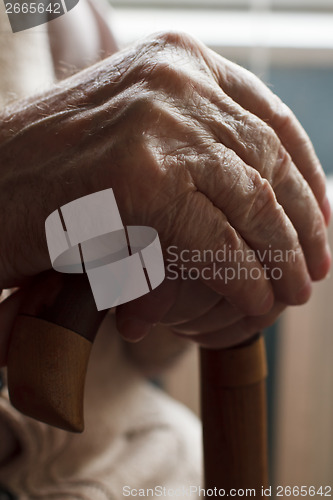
{"points": [[134, 319]]}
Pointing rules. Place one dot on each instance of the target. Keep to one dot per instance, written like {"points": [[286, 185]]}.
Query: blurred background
{"points": [[289, 45]]}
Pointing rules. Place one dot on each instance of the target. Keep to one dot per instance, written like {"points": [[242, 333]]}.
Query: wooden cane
{"points": [[233, 406], [47, 363], [50, 348]]}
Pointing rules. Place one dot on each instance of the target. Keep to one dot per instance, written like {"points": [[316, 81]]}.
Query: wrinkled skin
{"points": [[192, 145]]}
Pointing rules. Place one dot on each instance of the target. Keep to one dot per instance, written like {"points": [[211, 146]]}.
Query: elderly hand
{"points": [[192, 145]]}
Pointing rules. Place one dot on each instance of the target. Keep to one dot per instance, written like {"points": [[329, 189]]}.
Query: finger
{"points": [[135, 319], [193, 300], [252, 94], [9, 309], [173, 303], [259, 147], [307, 219], [236, 333], [208, 231], [251, 208], [220, 316]]}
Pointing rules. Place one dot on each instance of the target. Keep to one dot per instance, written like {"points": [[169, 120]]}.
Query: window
{"points": [[317, 5]]}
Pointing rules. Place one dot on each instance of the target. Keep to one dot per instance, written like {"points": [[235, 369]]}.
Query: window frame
{"points": [[303, 5]]}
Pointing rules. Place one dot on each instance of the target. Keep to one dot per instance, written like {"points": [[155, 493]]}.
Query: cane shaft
{"points": [[233, 399]]}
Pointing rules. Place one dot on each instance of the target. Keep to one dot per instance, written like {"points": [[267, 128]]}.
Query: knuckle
{"points": [[175, 38], [266, 144], [227, 161], [264, 215], [169, 77], [230, 238], [282, 116], [281, 167], [140, 104], [166, 76], [259, 135], [270, 141], [264, 198]]}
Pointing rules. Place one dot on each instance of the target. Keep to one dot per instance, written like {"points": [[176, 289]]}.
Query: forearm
{"points": [[71, 48], [47, 144]]}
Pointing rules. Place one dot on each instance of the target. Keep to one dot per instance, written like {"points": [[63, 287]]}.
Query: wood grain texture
{"points": [[233, 401], [47, 366], [65, 300]]}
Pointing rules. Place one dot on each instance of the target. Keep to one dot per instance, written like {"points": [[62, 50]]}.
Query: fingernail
{"points": [[133, 329]]}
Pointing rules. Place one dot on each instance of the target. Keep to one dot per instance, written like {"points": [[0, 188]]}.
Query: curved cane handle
{"points": [[50, 348]]}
